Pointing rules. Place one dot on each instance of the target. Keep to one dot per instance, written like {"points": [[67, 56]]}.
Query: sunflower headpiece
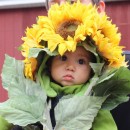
{"points": [[70, 25]]}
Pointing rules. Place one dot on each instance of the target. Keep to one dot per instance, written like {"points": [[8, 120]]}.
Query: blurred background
{"points": [[17, 15]]}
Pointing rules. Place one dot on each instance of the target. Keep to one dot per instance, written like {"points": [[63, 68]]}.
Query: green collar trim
{"points": [[74, 89]]}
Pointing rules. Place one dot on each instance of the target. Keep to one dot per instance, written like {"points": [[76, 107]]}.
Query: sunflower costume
{"points": [[33, 97]]}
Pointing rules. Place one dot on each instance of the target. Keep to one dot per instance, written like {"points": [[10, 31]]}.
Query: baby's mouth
{"points": [[68, 77]]}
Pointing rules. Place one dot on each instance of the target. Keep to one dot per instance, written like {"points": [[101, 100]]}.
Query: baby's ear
{"points": [[101, 7]]}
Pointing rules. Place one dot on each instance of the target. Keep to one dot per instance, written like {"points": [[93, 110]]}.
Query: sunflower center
{"points": [[67, 28]]}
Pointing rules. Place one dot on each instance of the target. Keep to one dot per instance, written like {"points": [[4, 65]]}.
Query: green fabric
{"points": [[4, 125], [74, 89], [104, 121]]}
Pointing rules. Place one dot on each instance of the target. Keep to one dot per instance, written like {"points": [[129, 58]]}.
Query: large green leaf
{"points": [[116, 87], [27, 99], [77, 113]]}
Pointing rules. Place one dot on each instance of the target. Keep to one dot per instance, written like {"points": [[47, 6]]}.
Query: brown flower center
{"points": [[67, 28]]}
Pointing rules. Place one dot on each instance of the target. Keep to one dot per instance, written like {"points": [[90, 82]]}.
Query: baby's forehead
{"points": [[80, 51]]}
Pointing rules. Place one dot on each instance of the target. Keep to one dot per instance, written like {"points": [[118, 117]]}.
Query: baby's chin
{"points": [[67, 84]]}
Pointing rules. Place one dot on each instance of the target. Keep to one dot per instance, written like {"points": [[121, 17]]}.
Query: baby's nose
{"points": [[70, 67]]}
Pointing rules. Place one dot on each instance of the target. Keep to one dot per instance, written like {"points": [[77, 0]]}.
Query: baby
{"points": [[69, 72]]}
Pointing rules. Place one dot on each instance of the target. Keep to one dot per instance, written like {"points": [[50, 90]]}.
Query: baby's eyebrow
{"points": [[83, 56]]}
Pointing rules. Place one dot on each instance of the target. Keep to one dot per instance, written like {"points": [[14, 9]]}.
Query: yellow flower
{"points": [[32, 39], [30, 66], [68, 22], [67, 25]]}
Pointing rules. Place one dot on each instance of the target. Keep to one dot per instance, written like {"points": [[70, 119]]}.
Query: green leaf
{"points": [[27, 99], [33, 52], [92, 83], [97, 67], [116, 87], [77, 113], [92, 48], [107, 74], [10, 70]]}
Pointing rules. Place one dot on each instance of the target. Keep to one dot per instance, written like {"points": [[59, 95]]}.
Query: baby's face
{"points": [[72, 68]]}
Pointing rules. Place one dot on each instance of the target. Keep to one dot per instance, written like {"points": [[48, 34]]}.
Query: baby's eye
{"points": [[64, 58], [81, 61]]}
